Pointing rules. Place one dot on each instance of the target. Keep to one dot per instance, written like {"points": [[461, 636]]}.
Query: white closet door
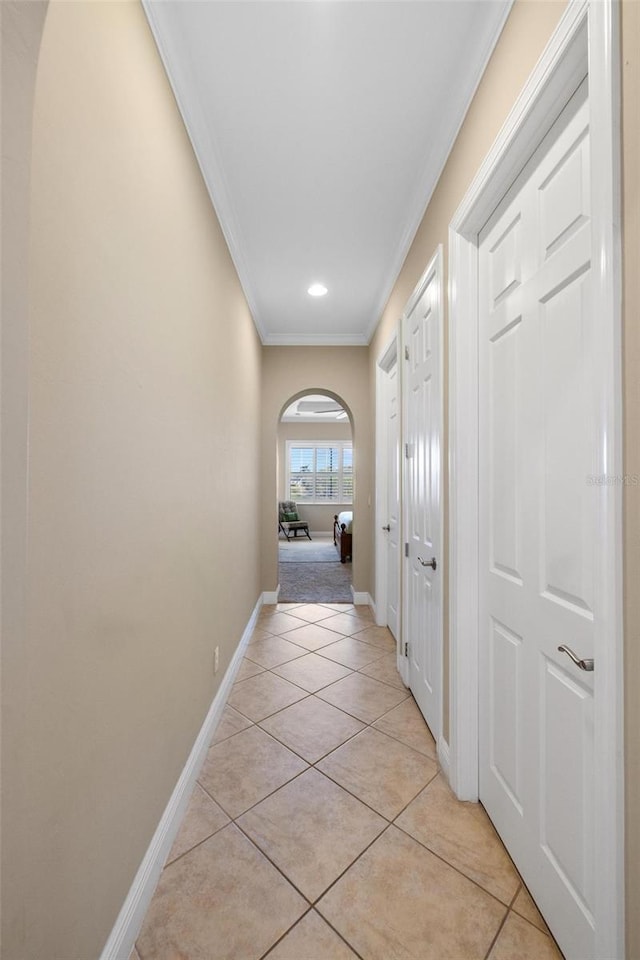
{"points": [[423, 484], [392, 414], [537, 529]]}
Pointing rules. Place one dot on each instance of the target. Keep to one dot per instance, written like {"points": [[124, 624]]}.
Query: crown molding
{"points": [[316, 340], [453, 120], [197, 132]]}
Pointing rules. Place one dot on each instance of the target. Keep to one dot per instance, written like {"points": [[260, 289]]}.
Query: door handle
{"points": [[429, 563], [582, 664], [387, 527]]}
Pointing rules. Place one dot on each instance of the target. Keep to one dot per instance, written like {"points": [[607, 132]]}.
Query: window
{"points": [[320, 472]]}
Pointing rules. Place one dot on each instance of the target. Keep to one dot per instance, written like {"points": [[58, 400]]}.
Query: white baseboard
{"points": [[269, 597], [444, 758], [127, 927], [360, 598]]}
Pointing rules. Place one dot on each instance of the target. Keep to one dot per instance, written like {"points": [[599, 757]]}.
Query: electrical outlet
{"points": [[216, 659]]}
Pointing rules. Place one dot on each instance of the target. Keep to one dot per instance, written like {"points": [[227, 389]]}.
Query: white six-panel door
{"points": [[423, 486], [392, 416], [538, 528]]}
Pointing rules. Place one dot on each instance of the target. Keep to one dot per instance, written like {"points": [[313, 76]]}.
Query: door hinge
{"points": [[406, 649], [406, 353], [408, 450], [406, 549]]}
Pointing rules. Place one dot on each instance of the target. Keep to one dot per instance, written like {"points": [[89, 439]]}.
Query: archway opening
{"points": [[315, 483]]}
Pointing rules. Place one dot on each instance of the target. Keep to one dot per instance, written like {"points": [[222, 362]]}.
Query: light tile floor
{"points": [[321, 828]]}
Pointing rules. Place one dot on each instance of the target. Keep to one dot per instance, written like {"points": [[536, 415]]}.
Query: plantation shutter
{"points": [[320, 473]]}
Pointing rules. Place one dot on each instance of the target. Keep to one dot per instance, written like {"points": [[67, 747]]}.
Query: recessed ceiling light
{"points": [[317, 290]]}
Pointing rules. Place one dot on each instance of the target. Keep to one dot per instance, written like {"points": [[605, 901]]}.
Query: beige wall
{"points": [[527, 30], [142, 433], [21, 25], [631, 335], [319, 516], [342, 372], [525, 34]]}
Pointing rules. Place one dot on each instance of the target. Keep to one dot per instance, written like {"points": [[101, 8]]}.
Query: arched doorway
{"points": [[315, 473]]}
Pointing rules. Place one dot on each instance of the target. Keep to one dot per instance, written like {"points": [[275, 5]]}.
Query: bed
{"points": [[342, 533]]}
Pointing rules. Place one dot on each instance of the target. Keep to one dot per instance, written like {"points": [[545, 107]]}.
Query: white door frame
{"points": [[586, 41], [389, 356]]}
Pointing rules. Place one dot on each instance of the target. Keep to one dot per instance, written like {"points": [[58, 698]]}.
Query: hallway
{"points": [[321, 828], [144, 378]]}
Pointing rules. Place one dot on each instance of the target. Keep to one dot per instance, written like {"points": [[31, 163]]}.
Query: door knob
{"points": [[429, 563], [387, 527], [582, 664]]}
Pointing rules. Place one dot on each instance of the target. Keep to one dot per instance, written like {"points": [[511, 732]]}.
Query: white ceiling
{"points": [[315, 408], [321, 128]]}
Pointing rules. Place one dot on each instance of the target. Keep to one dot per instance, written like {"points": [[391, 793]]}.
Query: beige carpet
{"points": [[307, 551], [309, 571]]}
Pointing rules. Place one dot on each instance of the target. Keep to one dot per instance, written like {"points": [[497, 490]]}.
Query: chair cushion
{"points": [[290, 517]]}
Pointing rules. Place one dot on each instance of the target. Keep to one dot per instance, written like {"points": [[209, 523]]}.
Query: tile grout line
{"points": [[267, 795], [312, 763], [325, 646], [234, 820], [390, 822], [337, 932], [403, 742], [312, 909], [353, 716], [274, 865], [258, 723], [415, 797], [311, 692], [317, 651], [291, 882], [310, 766], [170, 863], [545, 933], [501, 925], [285, 934], [313, 903], [352, 864], [367, 724], [318, 623], [353, 795], [442, 859], [275, 712], [313, 766], [308, 693]]}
